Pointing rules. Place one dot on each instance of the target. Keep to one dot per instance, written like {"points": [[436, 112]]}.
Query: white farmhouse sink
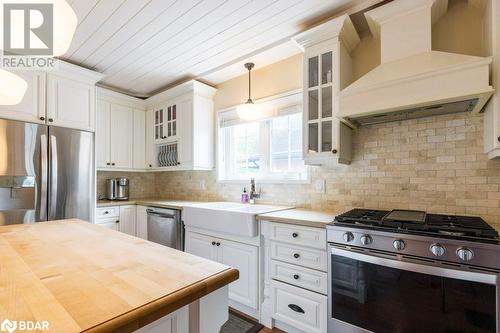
{"points": [[227, 217]]}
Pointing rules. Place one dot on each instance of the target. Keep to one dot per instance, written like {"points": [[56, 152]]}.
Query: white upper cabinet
{"points": [[70, 103], [64, 97], [120, 132], [327, 69], [180, 128], [32, 106]]}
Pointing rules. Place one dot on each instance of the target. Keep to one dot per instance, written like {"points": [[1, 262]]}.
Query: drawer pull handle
{"points": [[295, 235], [296, 276], [296, 308], [296, 255]]}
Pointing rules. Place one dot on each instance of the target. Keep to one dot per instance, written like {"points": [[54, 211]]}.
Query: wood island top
{"points": [[82, 277]]}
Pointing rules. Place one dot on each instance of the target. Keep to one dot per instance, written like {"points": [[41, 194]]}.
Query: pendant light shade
{"points": [[249, 110], [64, 23], [12, 88]]}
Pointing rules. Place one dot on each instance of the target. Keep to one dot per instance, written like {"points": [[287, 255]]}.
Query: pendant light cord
{"points": [[249, 85]]}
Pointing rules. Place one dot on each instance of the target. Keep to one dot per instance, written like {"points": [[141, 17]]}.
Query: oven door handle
{"points": [[373, 258]]}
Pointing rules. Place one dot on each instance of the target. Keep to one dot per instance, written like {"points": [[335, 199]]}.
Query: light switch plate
{"points": [[320, 186]]}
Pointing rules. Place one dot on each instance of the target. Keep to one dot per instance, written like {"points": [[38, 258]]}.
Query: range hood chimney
{"points": [[413, 80]]}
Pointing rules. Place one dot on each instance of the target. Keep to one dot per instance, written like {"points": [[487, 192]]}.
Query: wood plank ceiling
{"points": [[145, 45]]}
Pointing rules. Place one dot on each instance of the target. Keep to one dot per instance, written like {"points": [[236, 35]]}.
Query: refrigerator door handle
{"points": [[53, 178], [44, 161]]}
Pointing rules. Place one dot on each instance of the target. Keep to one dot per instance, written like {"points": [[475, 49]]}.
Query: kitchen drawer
{"points": [[298, 255], [299, 235], [299, 308], [107, 212], [299, 276], [111, 223]]}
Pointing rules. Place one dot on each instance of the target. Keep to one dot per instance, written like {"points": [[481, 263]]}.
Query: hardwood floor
{"points": [[274, 330], [265, 329]]}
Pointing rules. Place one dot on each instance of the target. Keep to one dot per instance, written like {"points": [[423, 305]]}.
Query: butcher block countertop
{"points": [[83, 277], [303, 217]]}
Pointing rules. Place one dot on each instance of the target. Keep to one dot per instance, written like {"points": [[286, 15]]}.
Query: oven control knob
{"points": [[399, 244], [366, 240], [437, 250], [348, 237], [465, 254]]}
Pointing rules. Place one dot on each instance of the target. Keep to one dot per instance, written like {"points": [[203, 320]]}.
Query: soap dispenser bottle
{"points": [[244, 196]]}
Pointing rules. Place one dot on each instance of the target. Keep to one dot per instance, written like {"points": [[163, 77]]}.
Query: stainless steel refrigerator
{"points": [[46, 173]]}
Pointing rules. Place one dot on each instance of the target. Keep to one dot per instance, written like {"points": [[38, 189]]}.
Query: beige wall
{"points": [[271, 80]]}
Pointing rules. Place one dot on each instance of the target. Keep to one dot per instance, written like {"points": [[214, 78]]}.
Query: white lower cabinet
{"points": [[120, 218], [142, 222], [243, 257], [128, 219], [176, 322], [295, 278]]}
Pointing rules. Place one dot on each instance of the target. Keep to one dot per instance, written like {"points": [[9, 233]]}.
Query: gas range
{"points": [[434, 273], [460, 239]]}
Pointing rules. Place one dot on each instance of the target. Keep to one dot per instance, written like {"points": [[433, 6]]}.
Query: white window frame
{"points": [[274, 107]]}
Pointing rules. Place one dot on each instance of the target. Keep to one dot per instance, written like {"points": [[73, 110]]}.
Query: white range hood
{"points": [[413, 80]]}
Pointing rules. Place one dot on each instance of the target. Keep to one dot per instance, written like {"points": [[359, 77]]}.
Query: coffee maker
{"points": [[117, 188]]}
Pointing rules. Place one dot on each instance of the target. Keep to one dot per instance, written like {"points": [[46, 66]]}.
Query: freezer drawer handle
{"points": [[296, 308]]}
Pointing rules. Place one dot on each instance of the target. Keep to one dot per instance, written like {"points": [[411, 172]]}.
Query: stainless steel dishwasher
{"points": [[165, 227]]}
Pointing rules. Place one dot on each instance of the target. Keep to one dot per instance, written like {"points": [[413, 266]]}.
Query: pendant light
{"points": [[249, 110], [12, 88]]}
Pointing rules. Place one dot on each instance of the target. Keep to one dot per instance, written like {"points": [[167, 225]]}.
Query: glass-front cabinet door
{"points": [[319, 111], [165, 123]]}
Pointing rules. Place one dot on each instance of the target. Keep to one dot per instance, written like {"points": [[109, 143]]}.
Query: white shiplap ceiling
{"points": [[145, 45]]}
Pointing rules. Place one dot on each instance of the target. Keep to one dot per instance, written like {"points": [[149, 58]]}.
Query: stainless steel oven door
{"points": [[384, 293]]}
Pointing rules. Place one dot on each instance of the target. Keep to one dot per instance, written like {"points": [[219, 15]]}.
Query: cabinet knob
{"points": [[213, 243], [112, 164], [334, 151], [218, 244], [296, 276], [106, 212], [117, 221], [51, 120], [150, 165], [498, 138], [42, 118], [296, 255], [108, 163], [295, 235]]}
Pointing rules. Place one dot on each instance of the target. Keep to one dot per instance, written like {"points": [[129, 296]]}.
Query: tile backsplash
{"points": [[435, 164]]}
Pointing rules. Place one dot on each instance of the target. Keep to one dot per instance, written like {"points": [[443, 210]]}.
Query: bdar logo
{"points": [[9, 326]]}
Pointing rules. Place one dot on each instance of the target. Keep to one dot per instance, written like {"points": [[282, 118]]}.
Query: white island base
{"points": [[206, 315]]}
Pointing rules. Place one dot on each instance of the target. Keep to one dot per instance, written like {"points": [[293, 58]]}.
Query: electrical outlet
{"points": [[203, 184], [320, 186]]}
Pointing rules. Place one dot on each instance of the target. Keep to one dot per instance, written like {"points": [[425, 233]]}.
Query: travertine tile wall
{"points": [[435, 164], [142, 184]]}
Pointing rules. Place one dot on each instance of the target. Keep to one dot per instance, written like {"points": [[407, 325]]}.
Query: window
{"points": [[268, 149]]}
